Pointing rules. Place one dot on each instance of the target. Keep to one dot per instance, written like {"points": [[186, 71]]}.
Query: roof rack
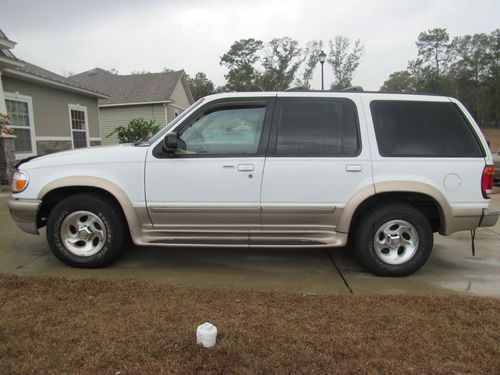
{"points": [[304, 88], [360, 90]]}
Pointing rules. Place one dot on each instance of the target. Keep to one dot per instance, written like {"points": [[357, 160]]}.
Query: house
{"points": [[153, 96], [48, 112]]}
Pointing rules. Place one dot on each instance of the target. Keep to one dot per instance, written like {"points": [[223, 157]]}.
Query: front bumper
{"points": [[489, 217], [24, 212]]}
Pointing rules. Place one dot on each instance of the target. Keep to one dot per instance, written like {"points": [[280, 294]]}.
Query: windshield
{"points": [[170, 125]]}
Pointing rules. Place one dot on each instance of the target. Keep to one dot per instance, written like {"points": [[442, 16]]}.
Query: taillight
{"points": [[487, 181]]}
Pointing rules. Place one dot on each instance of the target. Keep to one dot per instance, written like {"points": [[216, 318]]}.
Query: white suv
{"points": [[287, 169]]}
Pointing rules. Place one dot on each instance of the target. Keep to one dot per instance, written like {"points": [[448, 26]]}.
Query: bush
{"points": [[136, 129], [4, 124]]}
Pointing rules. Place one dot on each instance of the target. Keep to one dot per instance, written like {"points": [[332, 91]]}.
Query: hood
{"points": [[93, 155]]}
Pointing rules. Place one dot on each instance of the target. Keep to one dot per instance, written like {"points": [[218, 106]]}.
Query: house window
{"points": [[21, 124], [78, 117]]}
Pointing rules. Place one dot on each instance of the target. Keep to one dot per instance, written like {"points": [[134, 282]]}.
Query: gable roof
{"points": [[35, 73], [133, 88], [6, 42], [7, 58]]}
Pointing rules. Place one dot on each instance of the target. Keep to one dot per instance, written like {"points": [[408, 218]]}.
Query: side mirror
{"points": [[170, 143]]}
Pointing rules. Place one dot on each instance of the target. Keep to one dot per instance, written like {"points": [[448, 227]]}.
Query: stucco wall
{"points": [[112, 117], [50, 107]]}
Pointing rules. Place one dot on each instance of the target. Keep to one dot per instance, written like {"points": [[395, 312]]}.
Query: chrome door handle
{"points": [[245, 167], [353, 168]]}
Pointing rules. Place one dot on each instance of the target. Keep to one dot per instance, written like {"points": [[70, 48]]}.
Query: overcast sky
{"points": [[149, 35]]}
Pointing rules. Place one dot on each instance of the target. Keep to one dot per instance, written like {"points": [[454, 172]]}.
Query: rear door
{"points": [[318, 158]]}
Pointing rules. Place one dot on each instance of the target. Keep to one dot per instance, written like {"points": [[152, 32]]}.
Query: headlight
{"points": [[19, 181]]}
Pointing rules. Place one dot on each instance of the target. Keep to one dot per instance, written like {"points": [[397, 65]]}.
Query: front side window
{"points": [[225, 130], [20, 124], [422, 129], [317, 127], [78, 127]]}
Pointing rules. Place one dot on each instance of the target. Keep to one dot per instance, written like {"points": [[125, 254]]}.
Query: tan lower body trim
{"points": [[237, 237], [275, 225]]}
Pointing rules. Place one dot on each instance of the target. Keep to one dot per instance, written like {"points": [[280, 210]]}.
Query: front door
{"points": [[211, 185]]}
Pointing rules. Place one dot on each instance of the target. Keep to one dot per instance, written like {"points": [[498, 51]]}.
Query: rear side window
{"points": [[422, 129], [312, 127]]}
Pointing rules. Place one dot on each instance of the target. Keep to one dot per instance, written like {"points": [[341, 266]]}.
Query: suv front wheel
{"points": [[86, 230], [393, 240]]}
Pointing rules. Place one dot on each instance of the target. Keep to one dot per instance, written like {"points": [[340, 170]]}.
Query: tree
{"points": [[344, 60], [281, 63], [241, 60], [467, 68], [493, 80], [311, 59], [135, 130], [401, 81], [140, 72], [470, 70], [433, 50], [200, 85], [283, 58], [254, 65]]}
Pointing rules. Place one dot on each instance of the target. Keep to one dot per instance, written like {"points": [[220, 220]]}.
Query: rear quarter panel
{"points": [[457, 181]]}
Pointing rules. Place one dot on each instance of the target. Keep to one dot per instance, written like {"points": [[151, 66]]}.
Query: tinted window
{"points": [[234, 130], [425, 129], [327, 127]]}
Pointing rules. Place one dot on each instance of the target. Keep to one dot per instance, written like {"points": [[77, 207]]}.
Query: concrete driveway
{"points": [[450, 269]]}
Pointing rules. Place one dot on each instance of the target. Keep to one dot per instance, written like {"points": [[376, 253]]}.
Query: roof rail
{"points": [[353, 89], [298, 88]]}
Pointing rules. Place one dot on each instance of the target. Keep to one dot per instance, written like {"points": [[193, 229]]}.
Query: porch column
{"points": [[3, 108]]}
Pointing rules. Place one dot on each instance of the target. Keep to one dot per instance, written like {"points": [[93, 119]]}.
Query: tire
{"points": [[393, 240], [86, 231]]}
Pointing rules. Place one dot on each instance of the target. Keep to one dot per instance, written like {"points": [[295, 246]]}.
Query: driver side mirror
{"points": [[170, 143]]}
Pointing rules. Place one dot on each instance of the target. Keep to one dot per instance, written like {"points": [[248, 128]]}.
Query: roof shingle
{"points": [[134, 88], [47, 74]]}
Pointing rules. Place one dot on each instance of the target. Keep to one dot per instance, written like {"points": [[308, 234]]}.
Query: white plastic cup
{"points": [[206, 335]]}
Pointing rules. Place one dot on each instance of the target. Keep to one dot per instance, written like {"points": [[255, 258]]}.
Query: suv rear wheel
{"points": [[393, 240], [85, 230]]}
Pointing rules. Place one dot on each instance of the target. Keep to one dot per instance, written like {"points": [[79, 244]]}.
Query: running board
{"points": [[239, 239]]}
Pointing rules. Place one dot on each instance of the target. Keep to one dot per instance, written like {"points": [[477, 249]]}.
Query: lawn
{"points": [[96, 326]]}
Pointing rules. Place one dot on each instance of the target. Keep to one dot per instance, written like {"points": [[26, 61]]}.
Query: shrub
{"points": [[135, 130]]}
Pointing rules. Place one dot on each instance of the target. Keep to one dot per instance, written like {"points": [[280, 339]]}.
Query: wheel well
{"points": [[426, 204], [50, 200]]}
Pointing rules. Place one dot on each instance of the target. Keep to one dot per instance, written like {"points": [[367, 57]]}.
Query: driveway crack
{"points": [[25, 264], [340, 272]]}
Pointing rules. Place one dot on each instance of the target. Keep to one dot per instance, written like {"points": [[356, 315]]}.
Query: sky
{"points": [[130, 35]]}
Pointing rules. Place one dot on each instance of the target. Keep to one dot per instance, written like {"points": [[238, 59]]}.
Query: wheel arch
{"points": [[430, 200], [67, 186]]}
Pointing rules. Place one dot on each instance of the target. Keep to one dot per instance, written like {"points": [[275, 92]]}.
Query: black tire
{"points": [[109, 248], [378, 218]]}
